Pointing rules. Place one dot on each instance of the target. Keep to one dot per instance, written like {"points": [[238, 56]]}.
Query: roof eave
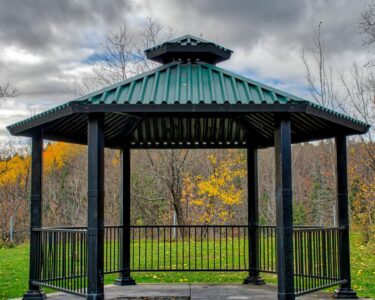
{"points": [[23, 128], [357, 127]]}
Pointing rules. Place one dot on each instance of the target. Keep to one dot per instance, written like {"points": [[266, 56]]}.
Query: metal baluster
{"points": [[195, 245], [164, 247], [239, 247], [170, 247], [220, 245], [226, 247], [145, 257], [139, 247], [176, 231], [189, 248], [232, 250], [208, 248], [201, 237]]}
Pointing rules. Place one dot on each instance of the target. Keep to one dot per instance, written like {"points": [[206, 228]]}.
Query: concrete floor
{"points": [[191, 291]]}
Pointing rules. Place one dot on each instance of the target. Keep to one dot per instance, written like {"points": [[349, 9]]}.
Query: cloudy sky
{"points": [[46, 46]]}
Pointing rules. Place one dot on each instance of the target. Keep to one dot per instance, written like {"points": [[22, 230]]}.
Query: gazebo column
{"points": [[284, 211], [252, 215], [345, 291], [95, 195], [35, 292], [124, 276]]}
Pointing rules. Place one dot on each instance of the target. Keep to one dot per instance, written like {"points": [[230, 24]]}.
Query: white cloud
{"points": [[15, 55]]}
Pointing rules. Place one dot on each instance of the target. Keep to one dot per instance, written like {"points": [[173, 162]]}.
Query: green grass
{"points": [[14, 271]]}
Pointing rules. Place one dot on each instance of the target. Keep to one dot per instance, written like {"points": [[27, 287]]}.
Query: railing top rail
{"points": [[316, 228], [185, 226], [297, 227], [304, 227], [56, 229]]}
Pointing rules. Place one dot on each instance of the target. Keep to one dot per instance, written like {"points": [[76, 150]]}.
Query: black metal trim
{"points": [[196, 109]]}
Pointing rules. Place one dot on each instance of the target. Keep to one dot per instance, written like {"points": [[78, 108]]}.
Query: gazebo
{"points": [[189, 102]]}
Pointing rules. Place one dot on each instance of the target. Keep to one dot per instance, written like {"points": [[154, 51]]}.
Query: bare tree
{"points": [[319, 76], [320, 80], [7, 91], [367, 24], [121, 55], [359, 86], [168, 166]]}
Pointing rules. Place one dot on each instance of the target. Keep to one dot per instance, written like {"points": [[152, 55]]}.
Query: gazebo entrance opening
{"points": [[189, 102]]}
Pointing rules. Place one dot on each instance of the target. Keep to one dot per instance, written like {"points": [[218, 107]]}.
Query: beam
{"points": [[95, 214], [252, 215], [345, 291], [124, 276], [284, 211], [34, 292]]}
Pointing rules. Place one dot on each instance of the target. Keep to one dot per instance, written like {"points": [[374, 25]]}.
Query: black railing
{"points": [[189, 248], [266, 235], [61, 256], [316, 263], [61, 259], [112, 249]]}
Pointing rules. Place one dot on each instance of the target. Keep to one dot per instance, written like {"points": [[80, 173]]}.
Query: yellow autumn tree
{"points": [[213, 198], [15, 185]]}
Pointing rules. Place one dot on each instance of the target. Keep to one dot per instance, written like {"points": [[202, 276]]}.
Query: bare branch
{"points": [[7, 91]]}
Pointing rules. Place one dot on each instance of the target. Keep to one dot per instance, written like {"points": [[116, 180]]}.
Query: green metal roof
{"points": [[187, 83], [189, 102]]}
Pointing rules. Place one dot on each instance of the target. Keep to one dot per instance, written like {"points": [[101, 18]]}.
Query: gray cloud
{"points": [[244, 23], [267, 37], [40, 24]]}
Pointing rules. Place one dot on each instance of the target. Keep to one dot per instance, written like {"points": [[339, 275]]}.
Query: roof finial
{"points": [[188, 48]]}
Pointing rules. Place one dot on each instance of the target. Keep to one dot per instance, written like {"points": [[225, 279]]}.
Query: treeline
{"points": [[186, 187]]}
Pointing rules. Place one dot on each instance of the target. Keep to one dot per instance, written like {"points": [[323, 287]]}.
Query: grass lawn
{"points": [[14, 272]]}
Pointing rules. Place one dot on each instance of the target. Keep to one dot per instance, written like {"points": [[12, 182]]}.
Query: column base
{"points": [[345, 293], [257, 280], [124, 281], [284, 296], [34, 295], [95, 297]]}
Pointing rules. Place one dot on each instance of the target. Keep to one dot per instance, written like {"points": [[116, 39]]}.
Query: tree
{"points": [[212, 199], [121, 55], [7, 91], [367, 24], [168, 167], [318, 75], [14, 191], [356, 99]]}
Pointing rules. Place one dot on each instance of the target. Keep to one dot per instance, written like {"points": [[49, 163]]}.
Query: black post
{"points": [[252, 215], [284, 211], [35, 292], [95, 214], [124, 276], [345, 291]]}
